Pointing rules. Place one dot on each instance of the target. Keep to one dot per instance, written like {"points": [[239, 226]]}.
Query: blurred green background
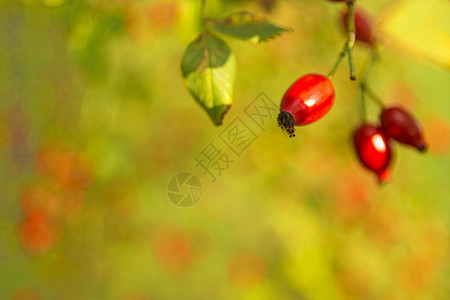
{"points": [[95, 121]]}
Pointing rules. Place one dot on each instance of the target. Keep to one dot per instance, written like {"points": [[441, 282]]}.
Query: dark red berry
{"points": [[363, 26], [306, 101], [373, 150], [400, 125]]}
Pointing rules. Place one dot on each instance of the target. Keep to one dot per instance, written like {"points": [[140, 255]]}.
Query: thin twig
{"points": [[348, 45], [374, 96], [364, 86], [351, 37], [363, 103]]}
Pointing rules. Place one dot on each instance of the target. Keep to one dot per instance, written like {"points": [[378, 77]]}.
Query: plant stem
{"points": [[368, 66], [348, 45], [374, 96], [363, 84], [338, 61], [351, 37], [351, 65], [363, 103]]}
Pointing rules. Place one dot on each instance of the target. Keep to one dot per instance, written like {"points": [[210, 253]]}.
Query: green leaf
{"points": [[209, 71], [247, 26]]}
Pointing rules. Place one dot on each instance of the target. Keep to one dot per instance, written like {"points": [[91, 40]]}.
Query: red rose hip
{"points": [[363, 26], [373, 150], [400, 125], [306, 101]]}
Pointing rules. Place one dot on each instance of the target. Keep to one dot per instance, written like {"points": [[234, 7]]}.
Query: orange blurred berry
{"points": [[80, 175], [416, 272], [173, 250], [163, 14], [69, 168], [35, 234], [438, 133], [53, 163], [136, 22], [351, 195], [402, 93], [25, 294], [246, 270], [38, 199]]}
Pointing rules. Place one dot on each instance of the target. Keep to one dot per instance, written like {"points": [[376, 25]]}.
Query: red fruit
{"points": [[400, 125], [363, 26], [373, 150], [306, 101]]}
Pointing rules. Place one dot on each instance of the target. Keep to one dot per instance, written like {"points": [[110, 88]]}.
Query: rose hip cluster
{"points": [[373, 143], [312, 96]]}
